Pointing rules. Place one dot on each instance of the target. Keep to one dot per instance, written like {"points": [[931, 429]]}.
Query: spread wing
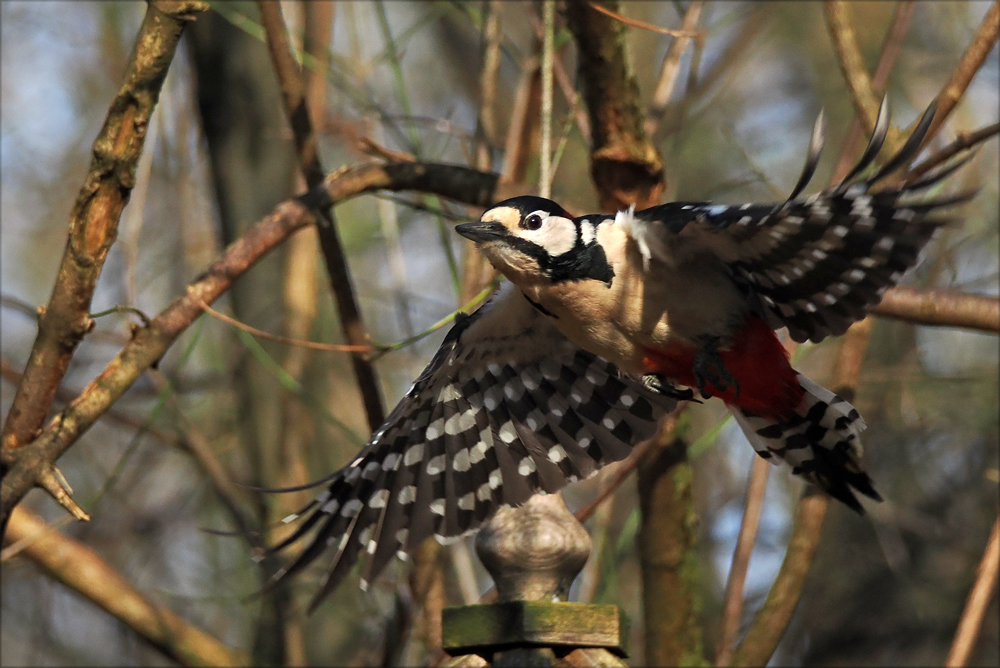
{"points": [[506, 408], [815, 264]]}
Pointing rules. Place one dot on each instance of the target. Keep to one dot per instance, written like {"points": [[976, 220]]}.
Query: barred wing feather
{"points": [[814, 264], [506, 408]]}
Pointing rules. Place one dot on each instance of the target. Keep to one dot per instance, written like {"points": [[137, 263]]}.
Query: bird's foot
{"points": [[659, 384], [708, 367]]}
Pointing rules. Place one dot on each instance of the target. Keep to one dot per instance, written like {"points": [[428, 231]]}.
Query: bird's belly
{"points": [[642, 311]]}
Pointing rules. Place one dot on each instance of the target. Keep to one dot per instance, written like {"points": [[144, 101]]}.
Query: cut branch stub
{"points": [[626, 167], [535, 551]]}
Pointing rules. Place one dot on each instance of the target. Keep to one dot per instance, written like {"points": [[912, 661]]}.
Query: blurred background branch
{"points": [[81, 569], [636, 115], [93, 226]]}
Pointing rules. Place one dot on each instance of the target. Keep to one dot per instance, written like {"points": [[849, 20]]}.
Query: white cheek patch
{"points": [[587, 232], [557, 235]]}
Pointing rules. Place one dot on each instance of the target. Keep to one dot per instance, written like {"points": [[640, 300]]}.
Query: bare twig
{"points": [[590, 576], [975, 606], [150, 343], [941, 308], [476, 271], [973, 58], [734, 52], [672, 63], [63, 395], [521, 131], [85, 572], [369, 146], [93, 224], [683, 32], [548, 55], [891, 47], [294, 94], [845, 46], [565, 84], [963, 142], [191, 441], [234, 499], [486, 131], [312, 345], [732, 610], [621, 473]]}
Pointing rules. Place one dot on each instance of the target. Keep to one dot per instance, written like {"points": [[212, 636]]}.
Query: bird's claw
{"points": [[708, 367], [659, 384]]}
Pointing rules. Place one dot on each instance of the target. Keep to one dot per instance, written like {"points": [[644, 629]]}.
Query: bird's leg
{"points": [[708, 366], [659, 384]]}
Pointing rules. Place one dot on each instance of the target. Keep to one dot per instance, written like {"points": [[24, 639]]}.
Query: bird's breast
{"points": [[642, 308]]}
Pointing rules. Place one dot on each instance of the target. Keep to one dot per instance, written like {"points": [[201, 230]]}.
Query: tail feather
{"points": [[820, 442]]}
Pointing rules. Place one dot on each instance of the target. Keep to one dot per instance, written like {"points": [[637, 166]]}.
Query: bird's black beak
{"points": [[482, 231]]}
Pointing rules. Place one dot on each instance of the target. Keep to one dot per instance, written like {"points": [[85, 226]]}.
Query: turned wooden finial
{"points": [[535, 551]]}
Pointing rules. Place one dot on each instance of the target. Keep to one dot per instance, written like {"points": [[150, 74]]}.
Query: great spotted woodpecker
{"points": [[604, 318]]}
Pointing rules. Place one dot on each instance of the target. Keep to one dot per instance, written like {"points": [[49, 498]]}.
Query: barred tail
{"points": [[820, 442]]}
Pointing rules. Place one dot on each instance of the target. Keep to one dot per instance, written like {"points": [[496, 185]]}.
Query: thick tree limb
{"points": [[29, 463], [941, 308], [93, 225], [669, 559], [627, 169], [85, 572], [625, 165]]}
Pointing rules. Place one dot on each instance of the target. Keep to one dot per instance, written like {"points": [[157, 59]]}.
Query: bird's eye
{"points": [[532, 222]]}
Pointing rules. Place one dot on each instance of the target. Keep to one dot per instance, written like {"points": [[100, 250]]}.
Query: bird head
{"points": [[532, 239]]}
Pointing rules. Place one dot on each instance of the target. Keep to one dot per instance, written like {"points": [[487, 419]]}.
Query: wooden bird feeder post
{"points": [[533, 554]]}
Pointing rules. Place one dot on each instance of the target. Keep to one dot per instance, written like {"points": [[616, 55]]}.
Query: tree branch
{"points": [[28, 463], [963, 142], [93, 224], [973, 58], [670, 69], [685, 31], [85, 572], [975, 607], [891, 47], [941, 308], [770, 623], [294, 95], [732, 610], [663, 438], [845, 46], [626, 167]]}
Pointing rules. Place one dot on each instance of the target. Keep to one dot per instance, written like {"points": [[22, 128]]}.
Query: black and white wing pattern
{"points": [[507, 407], [814, 264]]}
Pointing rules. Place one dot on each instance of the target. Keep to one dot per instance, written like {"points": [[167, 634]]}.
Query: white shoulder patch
{"points": [[650, 245]]}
